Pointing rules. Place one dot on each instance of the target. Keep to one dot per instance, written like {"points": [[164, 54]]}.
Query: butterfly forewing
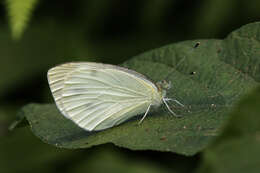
{"points": [[98, 96]]}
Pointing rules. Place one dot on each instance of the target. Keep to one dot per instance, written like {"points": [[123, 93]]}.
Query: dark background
{"points": [[103, 31]]}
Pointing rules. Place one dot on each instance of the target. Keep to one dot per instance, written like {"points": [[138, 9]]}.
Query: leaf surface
{"points": [[208, 79], [237, 148]]}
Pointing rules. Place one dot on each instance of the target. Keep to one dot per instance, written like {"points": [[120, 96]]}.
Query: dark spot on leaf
{"points": [[163, 138], [196, 45]]}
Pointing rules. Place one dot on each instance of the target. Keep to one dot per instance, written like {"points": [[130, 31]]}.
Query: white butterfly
{"points": [[97, 96]]}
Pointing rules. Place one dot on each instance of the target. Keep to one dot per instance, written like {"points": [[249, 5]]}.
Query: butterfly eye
{"points": [[164, 82]]}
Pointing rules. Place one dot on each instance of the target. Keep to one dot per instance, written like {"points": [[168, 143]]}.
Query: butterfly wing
{"points": [[56, 77], [98, 96]]}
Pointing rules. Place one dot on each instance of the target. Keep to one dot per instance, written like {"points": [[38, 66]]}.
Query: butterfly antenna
{"points": [[174, 100], [175, 67], [145, 114], [194, 47]]}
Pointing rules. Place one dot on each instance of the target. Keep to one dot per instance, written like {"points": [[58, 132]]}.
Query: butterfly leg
{"points": [[145, 114], [168, 107], [169, 99]]}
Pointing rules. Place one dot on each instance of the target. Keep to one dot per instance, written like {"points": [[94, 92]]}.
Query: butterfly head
{"points": [[163, 86]]}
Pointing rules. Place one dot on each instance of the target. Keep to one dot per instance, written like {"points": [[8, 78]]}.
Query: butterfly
{"points": [[98, 96]]}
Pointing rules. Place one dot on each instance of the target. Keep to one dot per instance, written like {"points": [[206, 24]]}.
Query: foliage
{"points": [[237, 148], [113, 32], [19, 13], [223, 72]]}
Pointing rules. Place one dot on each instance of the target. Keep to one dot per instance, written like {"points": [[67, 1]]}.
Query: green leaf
{"points": [[207, 79], [19, 12], [19, 122], [105, 160], [22, 152], [237, 148]]}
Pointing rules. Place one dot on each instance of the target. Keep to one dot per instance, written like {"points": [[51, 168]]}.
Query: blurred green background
{"points": [[103, 31]]}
